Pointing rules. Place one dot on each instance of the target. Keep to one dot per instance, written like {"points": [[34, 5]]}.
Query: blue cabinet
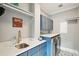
{"points": [[33, 51], [48, 39], [53, 44], [43, 49], [40, 50]]}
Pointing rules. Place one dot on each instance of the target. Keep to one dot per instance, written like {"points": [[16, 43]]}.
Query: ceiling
{"points": [[53, 8]]}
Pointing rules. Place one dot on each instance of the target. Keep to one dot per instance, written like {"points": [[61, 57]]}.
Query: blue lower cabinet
{"points": [[40, 50], [35, 54], [43, 49], [48, 39], [33, 51]]}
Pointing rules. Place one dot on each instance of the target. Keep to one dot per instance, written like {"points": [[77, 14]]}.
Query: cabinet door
{"points": [[43, 49], [42, 23], [58, 43], [48, 39], [40, 50], [36, 54], [46, 24], [23, 54], [33, 51], [50, 24]]}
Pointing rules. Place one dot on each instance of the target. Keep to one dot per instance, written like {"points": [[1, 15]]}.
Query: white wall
{"points": [[42, 13], [71, 38], [7, 32]]}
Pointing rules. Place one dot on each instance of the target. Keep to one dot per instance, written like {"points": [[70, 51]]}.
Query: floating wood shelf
{"points": [[17, 9], [73, 18]]}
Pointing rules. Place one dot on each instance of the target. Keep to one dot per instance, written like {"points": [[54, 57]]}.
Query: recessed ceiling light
{"points": [[60, 5]]}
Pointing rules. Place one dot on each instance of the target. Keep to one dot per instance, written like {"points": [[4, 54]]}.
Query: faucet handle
{"points": [[40, 38]]}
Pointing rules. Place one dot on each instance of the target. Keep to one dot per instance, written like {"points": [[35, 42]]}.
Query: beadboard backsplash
{"points": [[8, 32]]}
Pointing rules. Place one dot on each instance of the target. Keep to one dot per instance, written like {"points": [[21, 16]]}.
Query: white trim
{"points": [[69, 50]]}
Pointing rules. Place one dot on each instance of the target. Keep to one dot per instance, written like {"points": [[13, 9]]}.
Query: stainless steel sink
{"points": [[22, 45]]}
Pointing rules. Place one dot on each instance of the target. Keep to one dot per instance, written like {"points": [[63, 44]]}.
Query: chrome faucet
{"points": [[19, 38]]}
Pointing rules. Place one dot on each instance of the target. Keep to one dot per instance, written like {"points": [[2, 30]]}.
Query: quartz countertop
{"points": [[50, 35], [8, 48]]}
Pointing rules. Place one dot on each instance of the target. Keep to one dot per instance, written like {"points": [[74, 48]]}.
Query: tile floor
{"points": [[65, 53]]}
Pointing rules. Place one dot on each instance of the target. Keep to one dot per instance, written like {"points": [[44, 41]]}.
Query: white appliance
{"points": [[55, 44]]}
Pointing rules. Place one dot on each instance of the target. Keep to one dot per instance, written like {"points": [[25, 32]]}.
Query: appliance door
{"points": [[52, 47], [55, 44]]}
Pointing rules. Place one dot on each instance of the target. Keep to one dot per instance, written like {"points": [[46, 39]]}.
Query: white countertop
{"points": [[50, 35], [8, 48]]}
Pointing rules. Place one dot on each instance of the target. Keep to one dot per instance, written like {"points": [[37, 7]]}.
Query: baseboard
{"points": [[69, 50]]}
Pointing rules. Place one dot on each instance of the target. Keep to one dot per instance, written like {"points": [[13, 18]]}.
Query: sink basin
{"points": [[22, 45]]}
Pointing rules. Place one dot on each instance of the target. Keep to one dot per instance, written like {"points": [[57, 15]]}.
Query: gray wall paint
{"points": [[71, 38], [7, 32]]}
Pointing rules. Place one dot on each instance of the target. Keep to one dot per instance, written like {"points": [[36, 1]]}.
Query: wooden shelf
{"points": [[73, 18], [18, 9]]}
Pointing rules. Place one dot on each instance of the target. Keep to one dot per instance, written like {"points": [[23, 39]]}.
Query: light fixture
{"points": [[60, 5]]}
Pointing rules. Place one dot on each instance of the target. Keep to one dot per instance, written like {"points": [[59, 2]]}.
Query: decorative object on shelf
{"points": [[2, 11], [73, 20], [16, 4], [17, 22]]}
